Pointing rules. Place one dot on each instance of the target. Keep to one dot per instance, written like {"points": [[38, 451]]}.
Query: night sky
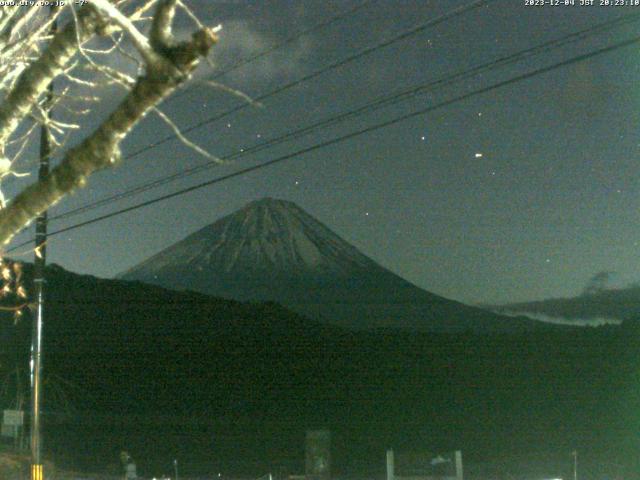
{"points": [[520, 193]]}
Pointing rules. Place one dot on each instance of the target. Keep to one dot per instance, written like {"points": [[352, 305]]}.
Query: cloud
{"points": [[586, 322], [239, 40], [598, 283]]}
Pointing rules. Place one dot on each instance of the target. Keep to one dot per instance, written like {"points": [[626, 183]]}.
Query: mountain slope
{"points": [[273, 250], [603, 305], [169, 374]]}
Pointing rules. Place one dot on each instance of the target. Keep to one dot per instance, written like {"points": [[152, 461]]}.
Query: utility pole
{"points": [[39, 283], [459, 472], [575, 464], [36, 329], [390, 465]]}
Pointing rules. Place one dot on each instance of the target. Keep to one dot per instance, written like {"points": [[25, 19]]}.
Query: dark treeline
{"points": [[232, 387]]}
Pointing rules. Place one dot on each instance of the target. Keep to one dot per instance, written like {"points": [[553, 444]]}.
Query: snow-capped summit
{"points": [[269, 237], [278, 236], [273, 250]]}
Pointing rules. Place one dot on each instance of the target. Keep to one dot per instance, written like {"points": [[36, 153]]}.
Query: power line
{"points": [[362, 53], [518, 78], [445, 17], [369, 107]]}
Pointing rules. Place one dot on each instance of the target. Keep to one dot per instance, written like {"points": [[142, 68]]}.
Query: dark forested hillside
{"points": [[167, 374]]}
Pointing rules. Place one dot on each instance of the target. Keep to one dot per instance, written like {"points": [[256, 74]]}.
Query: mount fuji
{"points": [[272, 250]]}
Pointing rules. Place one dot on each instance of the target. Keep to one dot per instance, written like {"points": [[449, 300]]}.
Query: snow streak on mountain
{"points": [[273, 250], [268, 236]]}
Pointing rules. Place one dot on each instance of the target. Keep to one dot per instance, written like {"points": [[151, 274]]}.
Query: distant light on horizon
{"points": [[478, 155]]}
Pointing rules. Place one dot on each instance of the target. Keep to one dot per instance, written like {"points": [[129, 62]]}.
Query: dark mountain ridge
{"points": [[273, 250], [612, 305], [231, 386]]}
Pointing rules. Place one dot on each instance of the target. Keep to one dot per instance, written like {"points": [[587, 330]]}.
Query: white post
{"points": [[459, 475], [390, 469]]}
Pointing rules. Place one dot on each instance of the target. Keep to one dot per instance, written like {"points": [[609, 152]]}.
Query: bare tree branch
{"points": [[168, 64], [35, 79], [138, 39]]}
